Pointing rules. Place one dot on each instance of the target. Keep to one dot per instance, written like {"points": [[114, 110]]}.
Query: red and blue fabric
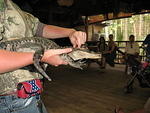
{"points": [[29, 88]]}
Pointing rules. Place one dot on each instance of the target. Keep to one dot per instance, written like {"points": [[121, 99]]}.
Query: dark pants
{"points": [[110, 57], [132, 60]]}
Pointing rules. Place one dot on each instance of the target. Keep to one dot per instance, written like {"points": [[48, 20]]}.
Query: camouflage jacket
{"points": [[16, 23]]}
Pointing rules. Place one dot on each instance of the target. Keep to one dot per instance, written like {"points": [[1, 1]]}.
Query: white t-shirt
{"points": [[132, 48]]}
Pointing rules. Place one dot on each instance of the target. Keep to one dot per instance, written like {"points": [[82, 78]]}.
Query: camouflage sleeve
{"points": [[1, 25], [34, 24], [1, 30], [39, 31]]}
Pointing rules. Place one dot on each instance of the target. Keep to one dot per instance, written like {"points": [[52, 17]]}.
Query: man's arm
{"points": [[10, 61], [53, 32], [77, 38], [14, 60]]}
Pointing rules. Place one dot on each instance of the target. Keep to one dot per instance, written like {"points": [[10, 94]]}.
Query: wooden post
{"points": [[92, 32], [86, 27]]}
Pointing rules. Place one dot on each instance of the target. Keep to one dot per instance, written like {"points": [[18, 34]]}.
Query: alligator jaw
{"points": [[79, 54]]}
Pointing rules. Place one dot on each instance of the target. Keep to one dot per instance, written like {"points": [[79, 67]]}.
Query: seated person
{"points": [[146, 109], [132, 52], [102, 48], [111, 53]]}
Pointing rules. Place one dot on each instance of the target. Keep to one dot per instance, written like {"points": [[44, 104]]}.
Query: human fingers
{"points": [[73, 40], [80, 38], [55, 60], [54, 52], [83, 37], [61, 51], [76, 39]]}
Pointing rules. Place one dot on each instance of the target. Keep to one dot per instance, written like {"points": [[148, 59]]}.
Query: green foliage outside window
{"points": [[138, 25]]}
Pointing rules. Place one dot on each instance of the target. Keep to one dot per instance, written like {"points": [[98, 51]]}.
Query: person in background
{"points": [[132, 52], [16, 81], [111, 53], [102, 48]]}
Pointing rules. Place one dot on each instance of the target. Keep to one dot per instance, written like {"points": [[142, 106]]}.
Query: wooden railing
{"points": [[92, 45]]}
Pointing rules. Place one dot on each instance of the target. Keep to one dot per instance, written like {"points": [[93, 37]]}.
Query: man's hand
{"points": [[52, 56], [77, 38]]}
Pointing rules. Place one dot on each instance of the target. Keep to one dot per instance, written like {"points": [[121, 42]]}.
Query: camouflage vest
{"points": [[16, 24]]}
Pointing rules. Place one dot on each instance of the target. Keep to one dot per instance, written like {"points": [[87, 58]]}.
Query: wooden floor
{"points": [[92, 90]]}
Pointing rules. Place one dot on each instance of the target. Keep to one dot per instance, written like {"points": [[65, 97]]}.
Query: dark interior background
{"points": [[50, 12]]}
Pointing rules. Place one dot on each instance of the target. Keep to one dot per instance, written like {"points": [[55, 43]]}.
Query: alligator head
{"points": [[76, 57]]}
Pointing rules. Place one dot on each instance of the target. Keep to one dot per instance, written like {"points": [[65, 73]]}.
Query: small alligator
{"points": [[38, 45]]}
